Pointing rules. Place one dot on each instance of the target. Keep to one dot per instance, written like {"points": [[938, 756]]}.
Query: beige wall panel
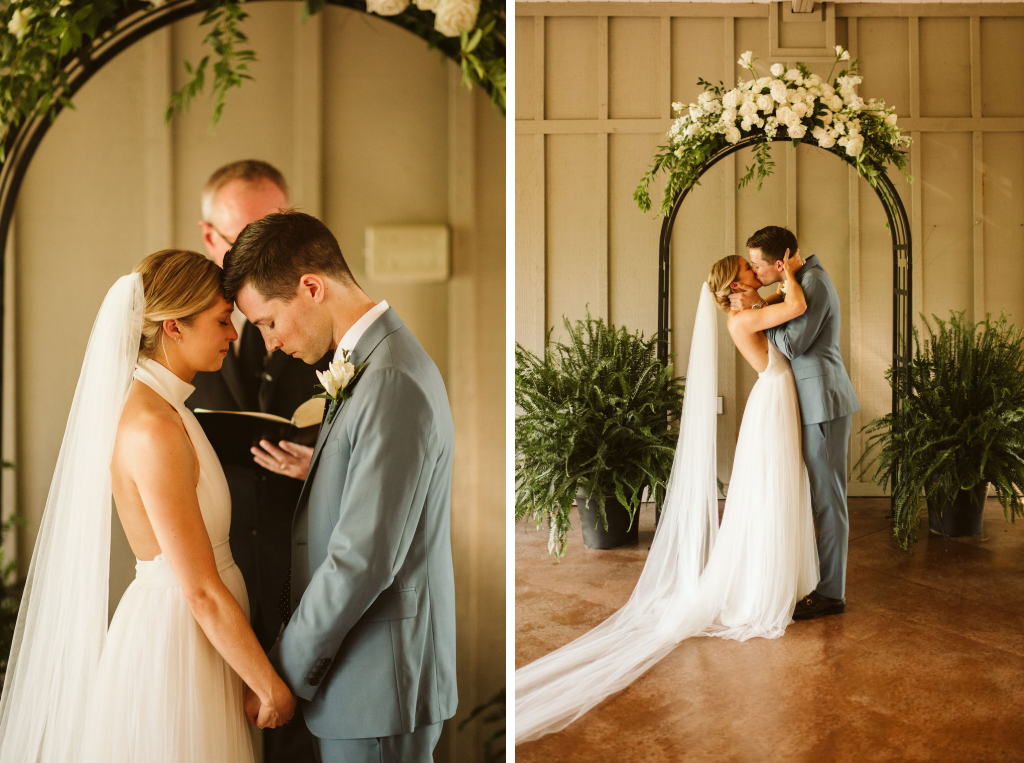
{"points": [[947, 248], [884, 55], [1004, 224], [945, 67], [375, 168], [526, 81], [531, 322], [574, 255], [1002, 67], [823, 185], [634, 76], [632, 236], [570, 68], [235, 137], [79, 228], [752, 35], [697, 47]]}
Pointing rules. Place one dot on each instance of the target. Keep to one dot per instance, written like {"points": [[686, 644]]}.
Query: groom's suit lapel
{"points": [[379, 330]]}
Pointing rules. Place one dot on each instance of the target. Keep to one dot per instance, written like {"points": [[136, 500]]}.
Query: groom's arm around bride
{"points": [[370, 644]]}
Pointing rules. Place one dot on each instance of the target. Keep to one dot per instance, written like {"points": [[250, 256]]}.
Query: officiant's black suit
{"points": [[262, 503]]}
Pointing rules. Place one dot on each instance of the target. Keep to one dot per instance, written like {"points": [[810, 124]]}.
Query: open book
{"points": [[233, 433]]}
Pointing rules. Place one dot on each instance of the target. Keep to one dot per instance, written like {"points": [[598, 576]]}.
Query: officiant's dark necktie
{"points": [[284, 604]]}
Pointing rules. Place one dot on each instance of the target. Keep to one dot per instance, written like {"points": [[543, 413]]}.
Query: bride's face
{"points": [[206, 342], [747, 276]]}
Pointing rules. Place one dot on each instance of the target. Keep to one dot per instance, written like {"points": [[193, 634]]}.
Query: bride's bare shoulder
{"points": [[148, 425]]}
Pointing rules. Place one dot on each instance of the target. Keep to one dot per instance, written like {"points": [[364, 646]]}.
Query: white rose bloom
{"points": [[388, 7], [778, 70], [729, 116], [818, 133], [732, 134], [840, 128], [714, 106], [18, 24], [797, 131], [765, 103], [800, 109], [676, 107], [691, 130], [731, 99], [855, 145], [826, 117], [745, 125], [890, 119], [748, 97], [760, 122], [704, 97], [454, 16], [748, 110], [794, 75], [793, 120], [814, 80], [779, 91], [826, 141], [782, 113], [763, 82], [746, 60], [836, 103], [696, 112]]}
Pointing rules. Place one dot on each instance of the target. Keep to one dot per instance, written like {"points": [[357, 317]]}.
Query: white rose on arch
{"points": [[748, 110], [454, 16], [765, 103], [386, 7], [778, 70], [731, 99], [779, 91], [797, 131], [855, 145], [732, 134], [890, 119]]}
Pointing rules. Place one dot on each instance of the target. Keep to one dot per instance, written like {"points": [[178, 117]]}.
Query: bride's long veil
{"points": [[63, 618], [664, 607]]}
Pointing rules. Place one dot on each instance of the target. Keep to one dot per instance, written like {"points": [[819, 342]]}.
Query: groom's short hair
{"points": [[274, 252], [773, 242]]}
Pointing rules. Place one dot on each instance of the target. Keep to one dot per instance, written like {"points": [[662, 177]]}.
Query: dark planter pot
{"points": [[618, 534], [962, 516]]}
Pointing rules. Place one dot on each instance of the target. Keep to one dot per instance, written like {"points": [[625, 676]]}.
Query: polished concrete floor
{"points": [[927, 664]]}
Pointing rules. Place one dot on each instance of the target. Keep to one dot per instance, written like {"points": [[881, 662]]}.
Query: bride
{"points": [[166, 682], [737, 581]]}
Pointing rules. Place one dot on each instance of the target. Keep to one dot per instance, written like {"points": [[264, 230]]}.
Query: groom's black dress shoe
{"points": [[815, 605]]}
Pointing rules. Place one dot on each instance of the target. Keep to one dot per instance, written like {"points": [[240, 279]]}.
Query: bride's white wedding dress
{"points": [[162, 692], [737, 581]]}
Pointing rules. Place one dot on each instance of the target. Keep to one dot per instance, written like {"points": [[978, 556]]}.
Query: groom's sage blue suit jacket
{"points": [[370, 646], [811, 342]]}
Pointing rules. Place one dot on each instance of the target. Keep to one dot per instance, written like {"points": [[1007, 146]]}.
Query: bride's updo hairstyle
{"points": [[723, 273], [178, 284]]}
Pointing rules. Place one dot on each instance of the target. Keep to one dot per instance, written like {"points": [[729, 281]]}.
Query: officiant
{"points": [[263, 495]]}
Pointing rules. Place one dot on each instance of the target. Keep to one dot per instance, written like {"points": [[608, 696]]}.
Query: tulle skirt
{"points": [[162, 693]]}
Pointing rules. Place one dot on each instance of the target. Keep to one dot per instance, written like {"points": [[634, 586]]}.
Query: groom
{"points": [[827, 403], [370, 644]]}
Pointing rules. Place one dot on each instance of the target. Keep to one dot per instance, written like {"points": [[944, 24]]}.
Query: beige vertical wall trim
{"points": [[462, 323], [856, 315], [791, 182], [979, 227], [915, 67], [727, 390], [159, 152], [538, 65], [602, 67], [308, 117], [666, 67], [603, 307], [9, 436], [975, 66]]}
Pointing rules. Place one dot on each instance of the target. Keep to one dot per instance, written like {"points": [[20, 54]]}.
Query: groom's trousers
{"points": [[415, 747], [825, 447]]}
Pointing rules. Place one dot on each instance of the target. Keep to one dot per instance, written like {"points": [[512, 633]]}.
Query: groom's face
{"points": [[766, 271], [296, 327]]}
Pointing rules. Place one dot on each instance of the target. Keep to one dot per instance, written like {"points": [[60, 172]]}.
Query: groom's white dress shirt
{"points": [[352, 336]]}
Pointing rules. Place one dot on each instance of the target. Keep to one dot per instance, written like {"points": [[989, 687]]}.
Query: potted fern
{"points": [[595, 424], [963, 428]]}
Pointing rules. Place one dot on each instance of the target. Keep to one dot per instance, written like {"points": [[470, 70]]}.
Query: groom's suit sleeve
{"points": [[385, 487], [794, 337]]}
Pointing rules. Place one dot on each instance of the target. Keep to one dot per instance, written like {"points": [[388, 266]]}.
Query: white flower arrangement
{"points": [[806, 106]]}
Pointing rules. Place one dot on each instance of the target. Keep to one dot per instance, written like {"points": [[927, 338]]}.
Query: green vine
{"points": [[42, 41]]}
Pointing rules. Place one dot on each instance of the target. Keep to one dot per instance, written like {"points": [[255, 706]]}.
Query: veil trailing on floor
{"points": [[62, 622], [665, 606]]}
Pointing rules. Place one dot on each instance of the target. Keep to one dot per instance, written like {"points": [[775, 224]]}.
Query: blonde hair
{"points": [[723, 273], [178, 284]]}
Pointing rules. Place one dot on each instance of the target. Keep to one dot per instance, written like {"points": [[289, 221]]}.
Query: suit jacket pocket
{"points": [[809, 372], [392, 605]]}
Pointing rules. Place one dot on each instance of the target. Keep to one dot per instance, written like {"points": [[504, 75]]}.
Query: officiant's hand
{"points": [[291, 459], [743, 297]]}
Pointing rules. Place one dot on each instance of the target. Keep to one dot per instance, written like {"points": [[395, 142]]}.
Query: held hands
{"points": [[269, 716], [291, 459], [743, 297]]}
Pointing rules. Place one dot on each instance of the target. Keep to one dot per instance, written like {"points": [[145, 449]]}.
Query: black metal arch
{"points": [[899, 227], [140, 21]]}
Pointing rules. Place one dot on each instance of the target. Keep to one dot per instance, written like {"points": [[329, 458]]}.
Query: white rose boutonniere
{"points": [[337, 382]]}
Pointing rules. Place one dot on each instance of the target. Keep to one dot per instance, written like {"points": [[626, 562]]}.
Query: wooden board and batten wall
{"points": [[595, 83]]}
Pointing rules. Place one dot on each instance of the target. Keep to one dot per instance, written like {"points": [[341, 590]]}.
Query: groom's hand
{"points": [[291, 459], [251, 703], [743, 297]]}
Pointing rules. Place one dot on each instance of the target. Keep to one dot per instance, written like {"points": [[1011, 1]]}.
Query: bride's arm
{"points": [[793, 306], [164, 472]]}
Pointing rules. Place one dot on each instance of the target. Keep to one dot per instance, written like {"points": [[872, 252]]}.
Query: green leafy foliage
{"points": [[10, 594], [963, 422], [598, 415], [491, 714]]}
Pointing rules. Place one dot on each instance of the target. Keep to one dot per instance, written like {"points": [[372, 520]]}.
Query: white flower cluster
{"points": [[450, 16], [832, 113]]}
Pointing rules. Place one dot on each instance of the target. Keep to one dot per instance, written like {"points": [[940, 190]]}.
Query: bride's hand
{"points": [[792, 263], [278, 713], [251, 704]]}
